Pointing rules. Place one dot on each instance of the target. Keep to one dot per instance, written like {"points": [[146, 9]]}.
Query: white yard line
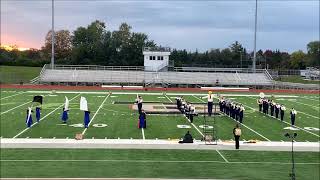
{"points": [[191, 123], [314, 107], [15, 107], [194, 126], [313, 99], [147, 161], [43, 118], [243, 125], [142, 131], [225, 159], [283, 121], [168, 98], [84, 131], [309, 115], [12, 95]]}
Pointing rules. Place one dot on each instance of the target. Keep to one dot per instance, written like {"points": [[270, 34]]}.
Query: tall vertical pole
{"points": [[52, 37], [255, 39]]}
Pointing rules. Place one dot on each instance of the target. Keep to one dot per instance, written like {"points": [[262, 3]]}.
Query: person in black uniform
{"points": [[187, 138], [241, 113], [282, 109], [267, 106], [260, 102], [277, 110], [293, 116], [272, 108], [139, 101], [264, 107], [237, 134]]}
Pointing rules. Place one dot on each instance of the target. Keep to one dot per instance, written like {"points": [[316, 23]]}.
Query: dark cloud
{"points": [[286, 25]]}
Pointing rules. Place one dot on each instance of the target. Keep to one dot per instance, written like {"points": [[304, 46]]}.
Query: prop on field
{"points": [[83, 104], [79, 136], [53, 91], [251, 141], [84, 107], [38, 100], [64, 116], [29, 117]]}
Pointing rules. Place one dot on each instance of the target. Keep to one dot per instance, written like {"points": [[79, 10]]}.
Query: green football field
{"points": [[112, 117]]}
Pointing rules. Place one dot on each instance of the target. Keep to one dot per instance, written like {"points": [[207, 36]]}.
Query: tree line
{"points": [[96, 45]]}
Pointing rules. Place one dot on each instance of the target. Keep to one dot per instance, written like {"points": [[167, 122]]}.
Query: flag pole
{"points": [[52, 37]]}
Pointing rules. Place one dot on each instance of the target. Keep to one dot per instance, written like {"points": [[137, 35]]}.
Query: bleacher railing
{"points": [[222, 70], [95, 67]]}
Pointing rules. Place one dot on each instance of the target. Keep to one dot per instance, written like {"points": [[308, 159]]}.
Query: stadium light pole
{"points": [[255, 39], [292, 137], [52, 37]]}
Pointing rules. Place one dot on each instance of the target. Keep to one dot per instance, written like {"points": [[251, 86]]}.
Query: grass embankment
{"points": [[17, 74], [297, 79]]}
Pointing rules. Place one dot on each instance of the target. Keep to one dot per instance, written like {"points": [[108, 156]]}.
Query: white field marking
{"points": [[142, 131], [84, 131], [198, 98], [43, 118], [308, 115], [146, 161], [168, 98], [283, 121], [12, 95], [15, 107], [251, 130], [194, 126], [222, 156], [164, 106], [314, 107], [310, 98]]}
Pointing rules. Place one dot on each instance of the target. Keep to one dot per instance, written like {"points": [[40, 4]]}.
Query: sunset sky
{"points": [[191, 25]]}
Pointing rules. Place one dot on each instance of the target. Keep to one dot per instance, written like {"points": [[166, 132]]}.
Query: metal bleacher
{"points": [[137, 75]]}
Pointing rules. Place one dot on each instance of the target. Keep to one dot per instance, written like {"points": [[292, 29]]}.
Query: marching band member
{"points": [[139, 101], [142, 120], [237, 112], [210, 102], [272, 106], [259, 102], [192, 113], [282, 109], [220, 104], [267, 106], [277, 110], [178, 99], [241, 113], [293, 116]]}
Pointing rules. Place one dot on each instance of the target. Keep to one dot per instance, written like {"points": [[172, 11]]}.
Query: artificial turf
{"points": [[98, 163]]}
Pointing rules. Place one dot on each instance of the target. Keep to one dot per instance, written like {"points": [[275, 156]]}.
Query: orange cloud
{"points": [[21, 42]]}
